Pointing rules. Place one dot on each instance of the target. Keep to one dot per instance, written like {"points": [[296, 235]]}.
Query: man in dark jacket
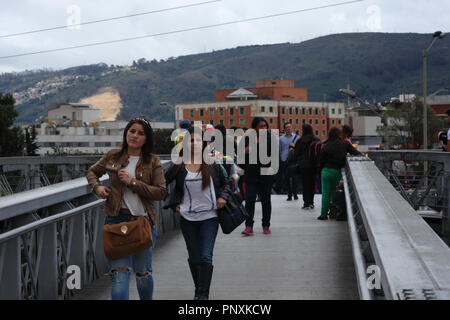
{"points": [[308, 166]]}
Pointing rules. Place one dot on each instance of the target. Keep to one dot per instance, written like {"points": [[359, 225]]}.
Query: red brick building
{"points": [[278, 101]]}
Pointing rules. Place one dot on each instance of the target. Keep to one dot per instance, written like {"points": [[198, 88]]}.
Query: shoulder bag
{"points": [[127, 238], [232, 214]]}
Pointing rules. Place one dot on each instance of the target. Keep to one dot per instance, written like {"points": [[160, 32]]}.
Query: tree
{"points": [[11, 138], [30, 141], [406, 120]]}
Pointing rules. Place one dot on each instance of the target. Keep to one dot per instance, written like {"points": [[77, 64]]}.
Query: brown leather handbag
{"points": [[127, 238]]}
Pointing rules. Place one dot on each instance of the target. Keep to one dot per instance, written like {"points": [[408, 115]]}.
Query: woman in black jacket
{"points": [[200, 189], [332, 160], [308, 166]]}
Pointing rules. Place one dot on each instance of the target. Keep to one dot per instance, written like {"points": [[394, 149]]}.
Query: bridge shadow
{"points": [[303, 258]]}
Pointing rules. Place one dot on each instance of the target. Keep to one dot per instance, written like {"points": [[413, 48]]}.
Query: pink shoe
{"points": [[248, 231], [266, 230]]}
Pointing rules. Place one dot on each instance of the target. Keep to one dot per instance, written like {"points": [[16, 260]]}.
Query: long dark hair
{"points": [[205, 168], [307, 129], [334, 133], [257, 120], [147, 148]]}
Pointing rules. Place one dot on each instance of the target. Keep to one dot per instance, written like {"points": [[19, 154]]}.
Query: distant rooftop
{"points": [[241, 93], [75, 105], [438, 100]]}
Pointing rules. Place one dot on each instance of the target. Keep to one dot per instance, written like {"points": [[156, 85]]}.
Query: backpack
{"points": [[314, 151]]}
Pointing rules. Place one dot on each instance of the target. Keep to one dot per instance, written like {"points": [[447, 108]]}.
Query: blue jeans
{"points": [[264, 191], [200, 237], [140, 263]]}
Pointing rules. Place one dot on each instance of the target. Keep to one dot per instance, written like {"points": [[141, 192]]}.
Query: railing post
{"points": [[48, 269], [446, 209], [10, 279], [78, 250]]}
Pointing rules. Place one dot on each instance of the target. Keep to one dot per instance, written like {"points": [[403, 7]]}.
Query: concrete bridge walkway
{"points": [[303, 258]]}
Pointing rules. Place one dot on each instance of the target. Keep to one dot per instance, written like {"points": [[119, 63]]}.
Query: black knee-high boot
{"points": [[195, 272], [205, 276]]}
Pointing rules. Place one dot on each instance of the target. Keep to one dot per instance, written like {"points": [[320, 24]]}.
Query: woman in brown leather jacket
{"points": [[136, 180]]}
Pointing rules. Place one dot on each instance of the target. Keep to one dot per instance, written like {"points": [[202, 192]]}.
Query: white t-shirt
{"points": [[198, 204], [131, 200]]}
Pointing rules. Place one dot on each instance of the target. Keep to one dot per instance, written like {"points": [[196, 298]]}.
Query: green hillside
{"points": [[378, 66]]}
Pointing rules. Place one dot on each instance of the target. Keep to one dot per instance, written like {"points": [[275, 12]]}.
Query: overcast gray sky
{"points": [[419, 16]]}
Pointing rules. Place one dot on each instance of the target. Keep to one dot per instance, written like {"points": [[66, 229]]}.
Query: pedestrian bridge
{"points": [[393, 245]]}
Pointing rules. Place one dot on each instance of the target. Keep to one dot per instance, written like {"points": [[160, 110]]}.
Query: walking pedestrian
{"points": [[332, 160], [287, 143], [257, 184], [136, 180], [308, 165], [199, 190]]}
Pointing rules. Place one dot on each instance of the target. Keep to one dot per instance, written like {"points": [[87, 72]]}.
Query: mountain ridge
{"points": [[377, 65]]}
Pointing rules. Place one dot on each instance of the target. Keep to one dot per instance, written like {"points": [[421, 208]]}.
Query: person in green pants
{"points": [[332, 160]]}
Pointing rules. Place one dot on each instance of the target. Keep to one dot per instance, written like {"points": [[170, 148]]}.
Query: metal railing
{"points": [[50, 229], [18, 174], [389, 238], [428, 192]]}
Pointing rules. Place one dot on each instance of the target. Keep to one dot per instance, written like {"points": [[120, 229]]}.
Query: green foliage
{"points": [[406, 120], [11, 138], [30, 141]]}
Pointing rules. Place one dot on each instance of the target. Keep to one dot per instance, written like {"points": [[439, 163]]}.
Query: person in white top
{"points": [[200, 190]]}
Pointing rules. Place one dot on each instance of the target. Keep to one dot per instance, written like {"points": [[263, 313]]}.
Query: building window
{"points": [[211, 112], [339, 121], [221, 122], [310, 111], [271, 121], [283, 121], [290, 121], [192, 113], [241, 121], [303, 121], [241, 110], [323, 121], [296, 110], [317, 121], [303, 111], [310, 121], [332, 122], [332, 111], [263, 109], [231, 122], [323, 133], [221, 111], [296, 121], [211, 122], [270, 109], [339, 111], [201, 113], [317, 133], [290, 110], [316, 111], [283, 110], [231, 111], [323, 111]]}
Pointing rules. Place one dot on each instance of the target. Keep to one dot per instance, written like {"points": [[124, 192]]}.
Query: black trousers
{"points": [[309, 185]]}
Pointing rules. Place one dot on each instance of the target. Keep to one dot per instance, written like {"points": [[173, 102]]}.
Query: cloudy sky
{"points": [[19, 16]]}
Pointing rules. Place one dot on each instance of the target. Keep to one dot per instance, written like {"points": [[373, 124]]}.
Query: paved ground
{"points": [[303, 258]]}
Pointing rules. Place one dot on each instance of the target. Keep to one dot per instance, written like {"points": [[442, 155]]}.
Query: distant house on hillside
{"points": [[76, 113]]}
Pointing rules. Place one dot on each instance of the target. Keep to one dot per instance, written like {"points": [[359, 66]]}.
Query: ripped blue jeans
{"points": [[141, 264]]}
